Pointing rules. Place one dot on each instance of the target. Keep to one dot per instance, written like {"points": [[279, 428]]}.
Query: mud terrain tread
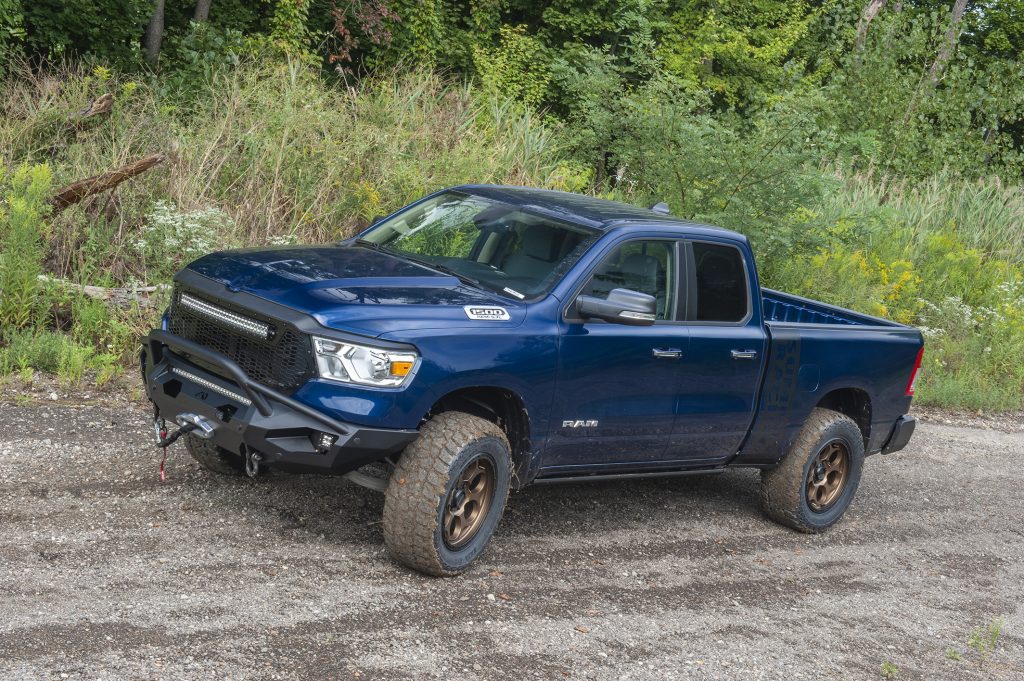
{"points": [[418, 486], [782, 487], [213, 458]]}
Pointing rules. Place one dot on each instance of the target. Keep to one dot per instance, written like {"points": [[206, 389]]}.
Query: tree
{"points": [[949, 43], [871, 10], [202, 10], [155, 33]]}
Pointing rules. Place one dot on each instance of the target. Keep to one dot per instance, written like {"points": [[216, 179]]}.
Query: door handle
{"points": [[744, 354], [667, 353]]}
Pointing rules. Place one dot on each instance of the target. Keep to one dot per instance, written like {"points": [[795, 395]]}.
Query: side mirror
{"points": [[621, 307]]}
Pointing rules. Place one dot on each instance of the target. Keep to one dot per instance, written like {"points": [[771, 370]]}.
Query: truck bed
{"points": [[785, 307]]}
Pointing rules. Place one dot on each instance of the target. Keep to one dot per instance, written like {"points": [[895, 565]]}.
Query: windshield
{"points": [[489, 244]]}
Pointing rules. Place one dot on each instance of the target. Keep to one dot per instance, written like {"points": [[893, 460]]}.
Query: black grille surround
{"points": [[284, 361]]}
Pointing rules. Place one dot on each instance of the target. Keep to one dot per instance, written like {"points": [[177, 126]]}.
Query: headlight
{"points": [[361, 364]]}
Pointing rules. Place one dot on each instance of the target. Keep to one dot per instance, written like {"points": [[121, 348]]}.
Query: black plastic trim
{"points": [[274, 424], [599, 477], [901, 434]]}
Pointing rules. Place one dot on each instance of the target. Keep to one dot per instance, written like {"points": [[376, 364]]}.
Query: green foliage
{"points": [[12, 32], [919, 127], [515, 67], [889, 670], [985, 639], [289, 31], [108, 30], [740, 51], [22, 231], [203, 51], [28, 351]]}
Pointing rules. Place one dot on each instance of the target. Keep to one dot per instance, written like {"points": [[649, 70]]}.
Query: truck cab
{"points": [[485, 338]]}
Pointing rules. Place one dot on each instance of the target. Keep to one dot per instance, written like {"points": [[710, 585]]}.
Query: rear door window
{"points": [[721, 278]]}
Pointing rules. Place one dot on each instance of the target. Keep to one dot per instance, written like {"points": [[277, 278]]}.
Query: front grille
{"points": [[278, 355]]}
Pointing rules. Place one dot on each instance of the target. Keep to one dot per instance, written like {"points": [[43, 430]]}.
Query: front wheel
{"points": [[816, 480], [447, 494]]}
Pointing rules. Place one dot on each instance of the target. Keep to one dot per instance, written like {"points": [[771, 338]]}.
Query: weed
{"points": [[985, 639], [889, 670], [953, 654]]}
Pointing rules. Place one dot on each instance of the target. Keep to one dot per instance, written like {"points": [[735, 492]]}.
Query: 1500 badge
{"points": [[579, 424], [487, 313]]}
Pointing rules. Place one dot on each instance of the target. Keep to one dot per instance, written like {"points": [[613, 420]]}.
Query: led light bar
{"points": [[249, 326], [212, 386]]}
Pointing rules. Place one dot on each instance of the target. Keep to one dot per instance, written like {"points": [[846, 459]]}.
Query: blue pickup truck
{"points": [[485, 338]]}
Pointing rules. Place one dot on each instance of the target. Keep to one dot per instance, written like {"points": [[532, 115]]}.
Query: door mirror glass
{"points": [[622, 306]]}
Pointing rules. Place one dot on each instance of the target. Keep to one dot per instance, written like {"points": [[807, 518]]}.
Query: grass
{"points": [[271, 153], [26, 352]]}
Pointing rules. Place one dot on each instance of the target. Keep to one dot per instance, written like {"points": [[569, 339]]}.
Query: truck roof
{"points": [[588, 210]]}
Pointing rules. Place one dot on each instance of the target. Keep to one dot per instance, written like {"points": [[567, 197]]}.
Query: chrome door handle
{"points": [[667, 353], [744, 354]]}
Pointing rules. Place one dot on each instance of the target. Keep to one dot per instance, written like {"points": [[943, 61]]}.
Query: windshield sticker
{"points": [[489, 314], [517, 294]]}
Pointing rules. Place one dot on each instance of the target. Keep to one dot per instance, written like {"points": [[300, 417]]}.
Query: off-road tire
{"points": [[417, 494], [214, 458], [783, 488]]}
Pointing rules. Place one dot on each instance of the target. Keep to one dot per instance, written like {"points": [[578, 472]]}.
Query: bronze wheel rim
{"points": [[827, 476], [468, 502]]}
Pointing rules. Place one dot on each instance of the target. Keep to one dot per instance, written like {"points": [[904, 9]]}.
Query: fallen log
{"points": [[76, 191], [121, 297]]}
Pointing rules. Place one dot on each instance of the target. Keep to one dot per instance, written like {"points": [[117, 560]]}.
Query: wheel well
{"points": [[500, 406], [853, 402]]}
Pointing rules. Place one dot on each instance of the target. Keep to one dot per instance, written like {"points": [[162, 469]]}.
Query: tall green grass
{"points": [[277, 151]]}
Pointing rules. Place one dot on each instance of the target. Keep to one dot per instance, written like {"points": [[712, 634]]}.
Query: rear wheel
{"points": [[816, 481], [214, 458], [447, 494]]}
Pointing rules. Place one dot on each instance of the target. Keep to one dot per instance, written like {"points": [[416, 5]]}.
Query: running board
{"points": [[600, 477]]}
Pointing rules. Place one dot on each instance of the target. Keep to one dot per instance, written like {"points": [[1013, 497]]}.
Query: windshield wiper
{"points": [[436, 266], [464, 278], [366, 243]]}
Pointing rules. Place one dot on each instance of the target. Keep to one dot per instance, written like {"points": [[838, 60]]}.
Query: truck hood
{"points": [[355, 289]]}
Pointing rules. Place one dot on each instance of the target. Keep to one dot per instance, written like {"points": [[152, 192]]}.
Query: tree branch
{"points": [[76, 191]]}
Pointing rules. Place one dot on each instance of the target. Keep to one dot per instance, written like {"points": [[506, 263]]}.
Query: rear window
{"points": [[722, 292]]}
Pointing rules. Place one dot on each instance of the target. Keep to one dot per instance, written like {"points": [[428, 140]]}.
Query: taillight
{"points": [[915, 372]]}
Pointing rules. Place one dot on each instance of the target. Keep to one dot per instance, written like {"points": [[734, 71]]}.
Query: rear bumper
{"points": [[249, 416], [901, 433]]}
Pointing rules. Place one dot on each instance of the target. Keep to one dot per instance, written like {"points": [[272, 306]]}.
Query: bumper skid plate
{"points": [[901, 433], [243, 416]]}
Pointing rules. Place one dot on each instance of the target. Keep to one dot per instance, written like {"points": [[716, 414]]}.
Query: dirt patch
{"points": [[107, 573]]}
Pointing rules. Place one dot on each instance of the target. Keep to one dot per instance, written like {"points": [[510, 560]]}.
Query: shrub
{"points": [[22, 231]]}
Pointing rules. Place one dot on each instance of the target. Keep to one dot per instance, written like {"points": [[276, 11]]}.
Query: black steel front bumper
{"points": [[901, 433], [250, 417]]}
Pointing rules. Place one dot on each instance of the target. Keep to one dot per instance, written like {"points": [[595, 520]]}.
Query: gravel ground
{"points": [[105, 573]]}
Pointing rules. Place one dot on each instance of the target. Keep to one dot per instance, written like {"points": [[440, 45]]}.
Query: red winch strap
{"points": [[163, 476]]}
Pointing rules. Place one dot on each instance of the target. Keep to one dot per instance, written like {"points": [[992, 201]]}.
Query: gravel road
{"points": [[106, 573]]}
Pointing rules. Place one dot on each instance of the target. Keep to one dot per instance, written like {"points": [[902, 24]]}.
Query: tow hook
{"points": [[252, 462]]}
